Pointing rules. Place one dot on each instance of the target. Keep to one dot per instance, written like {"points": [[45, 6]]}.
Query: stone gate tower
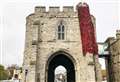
{"points": [[52, 39]]}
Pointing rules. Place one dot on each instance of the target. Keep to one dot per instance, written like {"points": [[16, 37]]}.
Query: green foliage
{"points": [[1, 67], [3, 73]]}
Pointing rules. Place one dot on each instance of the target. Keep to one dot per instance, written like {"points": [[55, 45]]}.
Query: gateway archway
{"points": [[58, 59]]}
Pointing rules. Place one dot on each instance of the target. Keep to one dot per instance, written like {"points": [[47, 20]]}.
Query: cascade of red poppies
{"points": [[87, 30]]}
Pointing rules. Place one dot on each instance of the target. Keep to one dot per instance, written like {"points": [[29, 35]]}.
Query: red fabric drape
{"points": [[87, 30]]}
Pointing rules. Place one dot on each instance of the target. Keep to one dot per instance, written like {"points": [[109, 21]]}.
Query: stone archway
{"points": [[60, 58]]}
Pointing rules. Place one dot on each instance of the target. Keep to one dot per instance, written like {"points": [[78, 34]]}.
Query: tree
{"points": [[3, 73]]}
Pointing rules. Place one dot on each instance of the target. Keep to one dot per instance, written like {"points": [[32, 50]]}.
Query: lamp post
{"points": [[26, 72]]}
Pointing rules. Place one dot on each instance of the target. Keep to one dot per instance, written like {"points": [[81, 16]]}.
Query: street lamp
{"points": [[26, 72]]}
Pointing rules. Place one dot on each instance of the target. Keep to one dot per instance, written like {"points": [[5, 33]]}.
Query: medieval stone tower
{"points": [[53, 38]]}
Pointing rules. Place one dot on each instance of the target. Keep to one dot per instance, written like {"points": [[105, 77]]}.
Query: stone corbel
{"points": [[32, 62], [34, 42], [91, 63]]}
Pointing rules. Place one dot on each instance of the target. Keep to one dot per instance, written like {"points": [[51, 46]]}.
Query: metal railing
{"points": [[10, 81]]}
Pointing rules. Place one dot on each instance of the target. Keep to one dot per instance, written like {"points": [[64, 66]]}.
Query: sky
{"points": [[13, 18]]}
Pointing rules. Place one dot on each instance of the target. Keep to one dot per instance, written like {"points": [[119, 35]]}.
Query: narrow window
{"points": [[61, 32]]}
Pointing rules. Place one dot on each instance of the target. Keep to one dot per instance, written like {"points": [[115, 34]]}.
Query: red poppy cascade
{"points": [[87, 29]]}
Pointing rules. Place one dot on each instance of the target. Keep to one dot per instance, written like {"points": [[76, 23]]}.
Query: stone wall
{"points": [[114, 59]]}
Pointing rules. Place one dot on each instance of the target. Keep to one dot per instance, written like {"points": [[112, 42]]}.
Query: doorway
{"points": [[60, 59]]}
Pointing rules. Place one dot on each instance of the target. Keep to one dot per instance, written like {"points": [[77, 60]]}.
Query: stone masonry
{"points": [[41, 43], [114, 58]]}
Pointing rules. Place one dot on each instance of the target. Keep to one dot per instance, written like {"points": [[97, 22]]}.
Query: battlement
{"points": [[42, 9], [54, 9], [68, 9]]}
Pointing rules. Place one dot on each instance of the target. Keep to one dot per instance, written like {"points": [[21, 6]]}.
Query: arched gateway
{"points": [[57, 59], [56, 38]]}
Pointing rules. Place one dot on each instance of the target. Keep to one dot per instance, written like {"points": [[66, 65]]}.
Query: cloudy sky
{"points": [[14, 12]]}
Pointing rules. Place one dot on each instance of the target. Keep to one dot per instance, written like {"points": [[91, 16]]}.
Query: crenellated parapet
{"points": [[68, 9], [41, 9], [54, 9], [53, 12]]}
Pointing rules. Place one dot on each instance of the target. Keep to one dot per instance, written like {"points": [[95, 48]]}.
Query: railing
{"points": [[10, 81]]}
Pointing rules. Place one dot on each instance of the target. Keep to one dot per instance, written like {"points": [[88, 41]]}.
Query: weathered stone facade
{"points": [[113, 62], [41, 43]]}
